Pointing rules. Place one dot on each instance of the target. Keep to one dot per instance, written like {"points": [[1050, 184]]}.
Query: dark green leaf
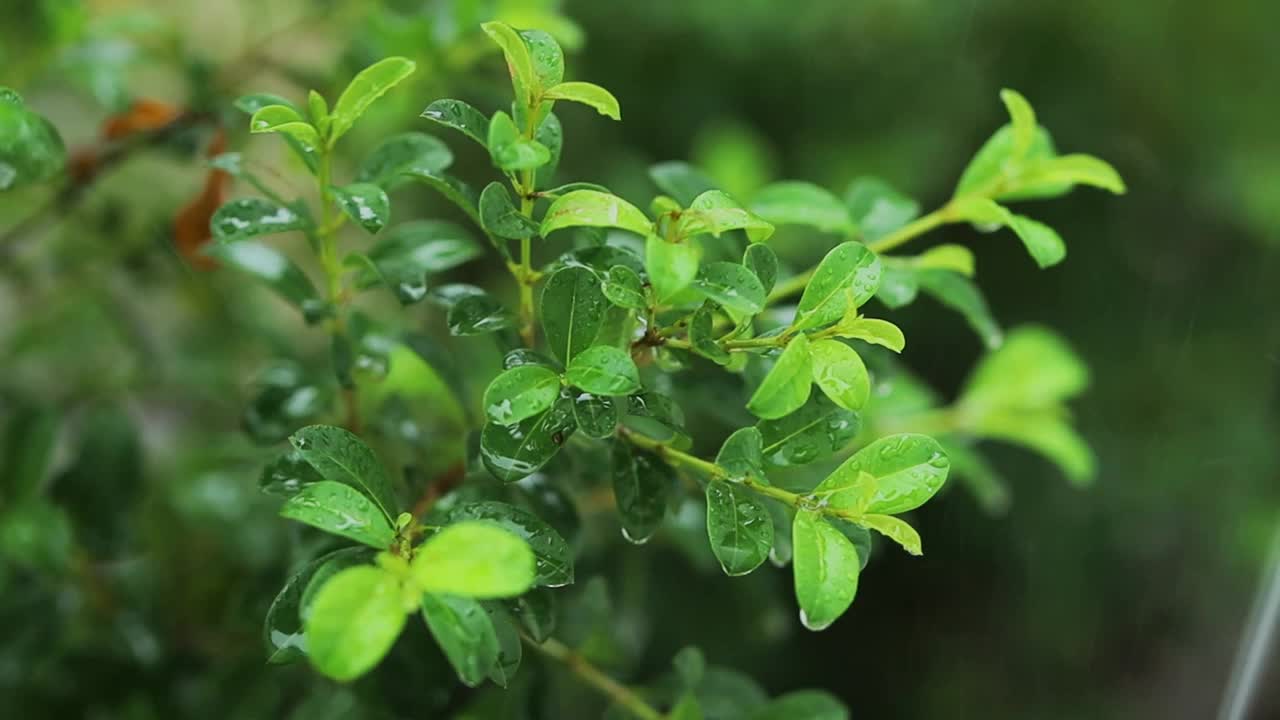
{"points": [[731, 285], [794, 202], [342, 457], [407, 252], [826, 568], [353, 622], [460, 116], [962, 295], [739, 527], [553, 558], [642, 483], [597, 415], [273, 268], [282, 634], [365, 203], [29, 440], [812, 433], [546, 56], [572, 308], [623, 287], [802, 705], [465, 633], [536, 611], [510, 646], [551, 135], [251, 217], [398, 155], [285, 400], [471, 311], [287, 474], [512, 452], [702, 336], [499, 216], [454, 190], [604, 370], [681, 181], [655, 415], [742, 454]]}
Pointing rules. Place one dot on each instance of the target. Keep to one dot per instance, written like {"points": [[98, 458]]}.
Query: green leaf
{"points": [[761, 260], [252, 217], [471, 311], [739, 527], [341, 510], [406, 253], [524, 79], [702, 336], [848, 275], [366, 204], [521, 393], [27, 451], [1034, 369], [962, 295], [896, 530], [1022, 119], [460, 116], [972, 468], [342, 457], [642, 483], [802, 705], [815, 431], [500, 217], [1049, 175], [284, 399], [687, 708], [624, 288], [1045, 432], [464, 632], [591, 208], [715, 212], [285, 120], [604, 370], [551, 135], [475, 558], [536, 611], [839, 371], [998, 169], [401, 155], [742, 454], [874, 331], [282, 633], [793, 202], [510, 149], [572, 307], [546, 56], [318, 111], [656, 416], [786, 388], [512, 452], [877, 208], [354, 620], [31, 150], [690, 666], [367, 86], [956, 258], [681, 181], [597, 415], [272, 268], [553, 559], [826, 567], [672, 267], [904, 471], [731, 285], [286, 475], [588, 94]]}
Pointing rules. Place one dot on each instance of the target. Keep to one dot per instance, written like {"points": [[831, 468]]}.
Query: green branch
{"points": [[594, 676]]}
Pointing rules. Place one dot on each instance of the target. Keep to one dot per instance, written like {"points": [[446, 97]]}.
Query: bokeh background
{"points": [[1123, 600]]}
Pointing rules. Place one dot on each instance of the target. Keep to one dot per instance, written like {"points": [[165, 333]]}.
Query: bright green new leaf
{"points": [[552, 556], [826, 567], [499, 215], [786, 388], [1052, 174], [793, 202], [252, 217], [872, 330], [594, 209], [271, 267], [731, 285], [401, 155], [354, 620], [1022, 119], [877, 208], [962, 295], [510, 149], [955, 258], [474, 558], [464, 632], [642, 482], [520, 393], [511, 452], [1046, 432], [1034, 369], [318, 111], [572, 308], [340, 509], [342, 457], [604, 370], [687, 708], [1041, 241], [839, 371], [460, 116], [739, 527], [715, 212], [366, 87], [896, 530], [905, 470], [519, 61], [588, 94], [366, 204], [848, 275], [284, 119], [672, 267], [624, 288]]}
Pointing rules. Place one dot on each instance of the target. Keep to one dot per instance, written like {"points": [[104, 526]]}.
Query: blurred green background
{"points": [[1123, 600]]}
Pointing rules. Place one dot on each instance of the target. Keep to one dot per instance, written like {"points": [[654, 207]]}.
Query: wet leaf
{"points": [[742, 454], [641, 485], [872, 330], [253, 217], [739, 527], [623, 287], [877, 208], [512, 452], [282, 633], [848, 275], [474, 558], [285, 120], [731, 285], [604, 370], [588, 94], [519, 60], [465, 632], [815, 431], [552, 555], [786, 388], [499, 216], [889, 476], [894, 529], [31, 150], [592, 208], [597, 415], [342, 457], [365, 88], [761, 260], [702, 338], [715, 212], [672, 267], [572, 308], [399, 155], [521, 393], [840, 373], [341, 510], [826, 568], [406, 253], [460, 116], [353, 622], [271, 267], [366, 204]]}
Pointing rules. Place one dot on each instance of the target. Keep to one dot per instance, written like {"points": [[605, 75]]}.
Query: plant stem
{"points": [[525, 276], [594, 676], [327, 247]]}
